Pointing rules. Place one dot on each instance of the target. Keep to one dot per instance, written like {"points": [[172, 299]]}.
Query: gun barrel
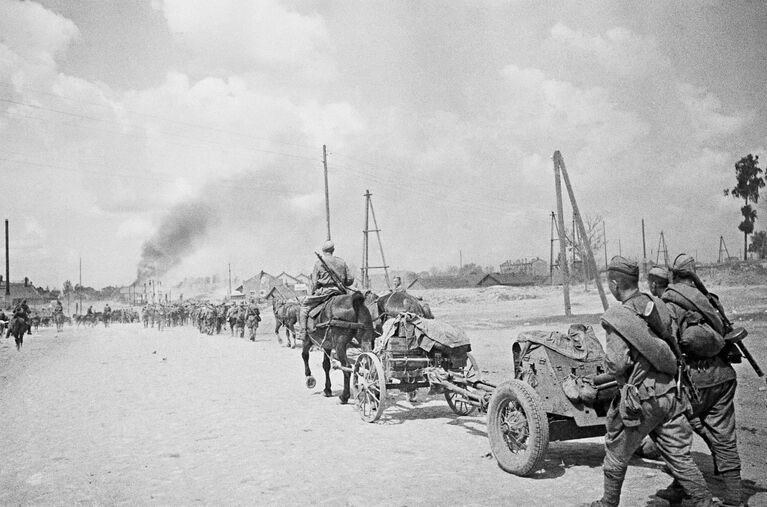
{"points": [[747, 354]]}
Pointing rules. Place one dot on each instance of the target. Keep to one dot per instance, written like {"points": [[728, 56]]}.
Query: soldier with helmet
{"points": [[647, 404], [324, 285], [700, 330]]}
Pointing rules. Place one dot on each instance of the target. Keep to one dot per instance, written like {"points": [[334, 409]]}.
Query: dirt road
{"points": [[128, 415]]}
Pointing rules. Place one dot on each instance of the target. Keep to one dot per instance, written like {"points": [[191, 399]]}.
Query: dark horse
{"points": [[342, 318], [285, 314], [17, 328], [390, 305]]}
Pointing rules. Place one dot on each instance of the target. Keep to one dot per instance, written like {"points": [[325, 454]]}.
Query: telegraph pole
{"points": [[559, 161], [80, 292], [551, 250], [644, 252], [562, 241], [365, 243], [7, 267], [327, 194], [604, 241], [230, 279]]}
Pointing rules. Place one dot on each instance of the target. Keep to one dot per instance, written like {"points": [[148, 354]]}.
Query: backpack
{"points": [[699, 324]]}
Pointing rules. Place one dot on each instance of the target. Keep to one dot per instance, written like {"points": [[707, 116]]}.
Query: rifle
{"points": [[732, 336], [683, 377], [332, 274]]}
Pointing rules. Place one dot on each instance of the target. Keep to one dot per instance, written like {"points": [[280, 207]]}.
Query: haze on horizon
{"points": [[196, 128]]}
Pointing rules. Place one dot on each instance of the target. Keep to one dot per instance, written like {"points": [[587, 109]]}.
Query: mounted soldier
{"points": [[328, 272], [21, 311]]}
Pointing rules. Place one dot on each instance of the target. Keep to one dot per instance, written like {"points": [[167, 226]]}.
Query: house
{"points": [[512, 279], [536, 267], [281, 292], [259, 285], [416, 284], [287, 280], [20, 291]]}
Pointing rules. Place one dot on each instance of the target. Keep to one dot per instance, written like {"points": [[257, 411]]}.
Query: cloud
{"points": [[33, 32], [237, 34], [619, 50], [707, 120], [550, 112]]}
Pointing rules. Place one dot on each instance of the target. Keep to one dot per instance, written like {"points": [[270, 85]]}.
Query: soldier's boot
{"points": [[303, 323], [733, 490], [673, 494]]}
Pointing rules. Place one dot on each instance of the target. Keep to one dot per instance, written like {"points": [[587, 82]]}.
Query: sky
{"points": [[178, 137]]}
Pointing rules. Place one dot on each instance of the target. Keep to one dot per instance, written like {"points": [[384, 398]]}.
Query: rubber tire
{"points": [[521, 463], [463, 409]]}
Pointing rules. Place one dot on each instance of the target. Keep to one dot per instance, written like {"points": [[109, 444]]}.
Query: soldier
{"points": [[323, 285], [713, 413], [397, 285], [644, 367], [657, 279], [22, 311]]}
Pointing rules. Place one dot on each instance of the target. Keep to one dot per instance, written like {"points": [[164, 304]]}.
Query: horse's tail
{"points": [[362, 314]]}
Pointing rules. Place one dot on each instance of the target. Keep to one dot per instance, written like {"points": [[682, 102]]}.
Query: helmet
{"points": [[328, 246], [683, 264]]}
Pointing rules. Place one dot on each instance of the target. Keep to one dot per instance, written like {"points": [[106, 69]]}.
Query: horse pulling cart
{"points": [[415, 353]]}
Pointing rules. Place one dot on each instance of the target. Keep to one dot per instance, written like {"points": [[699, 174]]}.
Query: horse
{"points": [[58, 318], [17, 328], [285, 314], [389, 305], [341, 319]]}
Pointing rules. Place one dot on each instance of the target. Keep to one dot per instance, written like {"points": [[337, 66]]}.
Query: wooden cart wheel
{"points": [[456, 402], [369, 386], [517, 427]]}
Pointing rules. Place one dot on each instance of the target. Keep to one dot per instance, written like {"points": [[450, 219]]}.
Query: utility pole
{"points": [[230, 279], [561, 231], [327, 193], [551, 250], [662, 248], [723, 250], [644, 252], [460, 260], [365, 248], [366, 267], [558, 160], [604, 241], [7, 267], [80, 283]]}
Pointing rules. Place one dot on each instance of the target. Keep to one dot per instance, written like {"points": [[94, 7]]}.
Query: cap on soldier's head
{"points": [[658, 272], [328, 246], [623, 265], [683, 264]]}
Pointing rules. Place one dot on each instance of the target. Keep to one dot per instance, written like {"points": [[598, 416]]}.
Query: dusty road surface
{"points": [[128, 415]]}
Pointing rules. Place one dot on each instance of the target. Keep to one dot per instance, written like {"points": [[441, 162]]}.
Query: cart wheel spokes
{"points": [[454, 400], [369, 386], [518, 428]]}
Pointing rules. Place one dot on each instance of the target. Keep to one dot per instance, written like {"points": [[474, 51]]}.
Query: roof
{"points": [[21, 291], [287, 275], [506, 279], [282, 292]]}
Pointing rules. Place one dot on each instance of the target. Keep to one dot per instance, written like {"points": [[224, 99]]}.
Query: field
{"points": [[128, 415]]}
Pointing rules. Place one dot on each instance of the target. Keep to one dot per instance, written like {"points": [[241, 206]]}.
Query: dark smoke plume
{"points": [[177, 237]]}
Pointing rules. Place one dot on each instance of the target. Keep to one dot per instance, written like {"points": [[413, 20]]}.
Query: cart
{"points": [[559, 392], [414, 353]]}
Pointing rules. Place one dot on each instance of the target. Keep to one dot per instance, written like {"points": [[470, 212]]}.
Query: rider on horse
{"points": [[22, 311], [323, 284]]}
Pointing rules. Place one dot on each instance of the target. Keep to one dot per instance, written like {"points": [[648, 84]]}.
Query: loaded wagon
{"points": [[414, 353]]}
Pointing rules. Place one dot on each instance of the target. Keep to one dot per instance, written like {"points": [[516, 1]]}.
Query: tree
{"points": [[594, 238], [759, 244], [749, 181]]}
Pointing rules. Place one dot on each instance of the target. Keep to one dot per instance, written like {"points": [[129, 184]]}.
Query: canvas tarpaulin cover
{"points": [[580, 342], [413, 331]]}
